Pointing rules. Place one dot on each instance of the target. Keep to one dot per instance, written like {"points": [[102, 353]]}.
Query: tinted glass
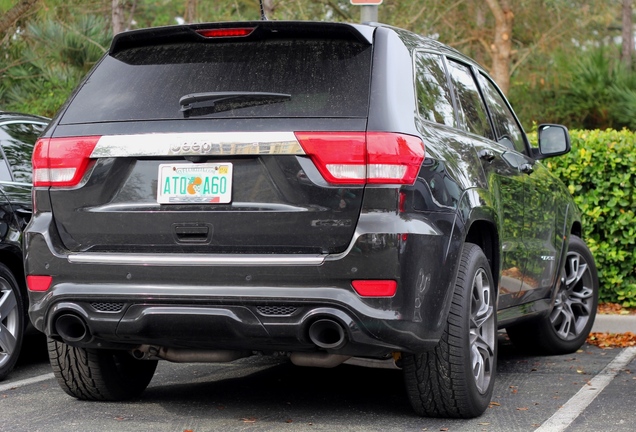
{"points": [[471, 107], [433, 92], [325, 78], [508, 131], [17, 143]]}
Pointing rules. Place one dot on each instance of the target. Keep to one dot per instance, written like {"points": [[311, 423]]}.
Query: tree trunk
{"points": [[501, 47], [480, 21], [15, 13], [628, 34], [190, 15], [118, 18], [268, 8]]}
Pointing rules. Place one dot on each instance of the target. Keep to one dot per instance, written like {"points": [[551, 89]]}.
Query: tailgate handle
{"points": [[194, 233]]}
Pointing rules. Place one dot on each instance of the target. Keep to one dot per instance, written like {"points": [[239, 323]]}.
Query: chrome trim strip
{"points": [[194, 260], [248, 206], [197, 144]]}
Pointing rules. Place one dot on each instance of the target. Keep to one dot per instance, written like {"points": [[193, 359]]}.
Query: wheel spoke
{"points": [[579, 304], [8, 303], [7, 340], [563, 321]]}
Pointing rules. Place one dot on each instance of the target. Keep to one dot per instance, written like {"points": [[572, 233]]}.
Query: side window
{"points": [[17, 144], [433, 92], [471, 107], [508, 131]]}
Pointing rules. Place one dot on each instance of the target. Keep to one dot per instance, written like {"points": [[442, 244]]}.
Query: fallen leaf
{"points": [[483, 424], [522, 409], [249, 420], [443, 429], [612, 340], [492, 404], [188, 430], [289, 421]]}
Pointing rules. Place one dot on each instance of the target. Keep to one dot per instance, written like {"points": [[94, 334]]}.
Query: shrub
{"points": [[600, 172]]}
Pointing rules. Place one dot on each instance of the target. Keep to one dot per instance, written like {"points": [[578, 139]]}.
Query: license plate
{"points": [[209, 183]]}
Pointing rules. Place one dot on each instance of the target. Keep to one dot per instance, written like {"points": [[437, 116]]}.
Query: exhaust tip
{"points": [[71, 328], [327, 334]]}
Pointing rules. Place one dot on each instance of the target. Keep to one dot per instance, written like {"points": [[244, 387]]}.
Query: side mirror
{"points": [[554, 140]]}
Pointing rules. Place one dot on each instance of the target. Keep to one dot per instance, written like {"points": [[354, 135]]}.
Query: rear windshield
{"points": [[324, 78]]}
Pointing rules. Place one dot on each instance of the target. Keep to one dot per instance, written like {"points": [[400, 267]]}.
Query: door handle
{"points": [[526, 168], [192, 233], [487, 155]]}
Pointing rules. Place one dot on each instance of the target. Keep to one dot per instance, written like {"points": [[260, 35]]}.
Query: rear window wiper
{"points": [[212, 102]]}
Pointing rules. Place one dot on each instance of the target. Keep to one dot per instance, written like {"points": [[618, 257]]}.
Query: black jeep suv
{"points": [[334, 192]]}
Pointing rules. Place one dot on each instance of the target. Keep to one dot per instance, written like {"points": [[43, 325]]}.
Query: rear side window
{"points": [[471, 107], [434, 98], [325, 78]]}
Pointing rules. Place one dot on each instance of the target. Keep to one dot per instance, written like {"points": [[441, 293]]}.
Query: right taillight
{"points": [[364, 157], [62, 162]]}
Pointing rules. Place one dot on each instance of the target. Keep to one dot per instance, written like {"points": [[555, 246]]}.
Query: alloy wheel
{"points": [[482, 330], [574, 302], [9, 321]]}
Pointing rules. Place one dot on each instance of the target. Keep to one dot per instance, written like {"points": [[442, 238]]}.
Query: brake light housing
{"points": [[364, 157], [226, 32], [62, 162]]}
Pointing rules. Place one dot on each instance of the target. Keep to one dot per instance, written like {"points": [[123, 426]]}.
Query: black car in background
{"points": [[336, 193], [18, 133]]}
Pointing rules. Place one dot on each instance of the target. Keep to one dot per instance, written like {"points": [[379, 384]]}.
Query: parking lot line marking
{"points": [[561, 419], [21, 383]]}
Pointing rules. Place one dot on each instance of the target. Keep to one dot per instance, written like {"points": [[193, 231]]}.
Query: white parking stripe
{"points": [[561, 419], [21, 383]]}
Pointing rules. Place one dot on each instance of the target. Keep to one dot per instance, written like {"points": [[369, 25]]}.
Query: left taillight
{"points": [[62, 162]]}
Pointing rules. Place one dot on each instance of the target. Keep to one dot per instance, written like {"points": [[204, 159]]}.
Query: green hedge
{"points": [[600, 172]]}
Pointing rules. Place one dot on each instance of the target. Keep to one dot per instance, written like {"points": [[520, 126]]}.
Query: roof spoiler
{"points": [[263, 30]]}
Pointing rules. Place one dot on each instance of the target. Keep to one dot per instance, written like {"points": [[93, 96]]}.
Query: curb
{"points": [[607, 323]]}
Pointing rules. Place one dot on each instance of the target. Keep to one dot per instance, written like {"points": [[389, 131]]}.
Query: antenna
{"points": [[263, 17]]}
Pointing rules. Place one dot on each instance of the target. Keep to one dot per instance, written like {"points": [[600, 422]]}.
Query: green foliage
{"points": [[590, 91], [48, 60], [600, 172]]}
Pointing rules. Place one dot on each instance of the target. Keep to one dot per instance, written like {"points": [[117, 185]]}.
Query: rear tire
{"points": [[12, 321], [567, 327], [457, 378], [94, 374]]}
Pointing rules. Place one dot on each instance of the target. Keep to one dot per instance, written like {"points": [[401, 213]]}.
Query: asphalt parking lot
{"points": [[591, 390]]}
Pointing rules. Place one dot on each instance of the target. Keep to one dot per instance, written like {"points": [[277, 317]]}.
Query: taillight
{"points": [[226, 32], [364, 157], [339, 156], [62, 162]]}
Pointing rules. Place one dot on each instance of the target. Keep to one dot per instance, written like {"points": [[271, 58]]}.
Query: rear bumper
{"points": [[238, 302]]}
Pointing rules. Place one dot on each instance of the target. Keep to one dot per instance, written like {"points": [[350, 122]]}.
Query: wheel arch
{"points": [[483, 233], [12, 258]]}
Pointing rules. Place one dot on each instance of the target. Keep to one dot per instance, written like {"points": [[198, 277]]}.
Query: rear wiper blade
{"points": [[223, 101]]}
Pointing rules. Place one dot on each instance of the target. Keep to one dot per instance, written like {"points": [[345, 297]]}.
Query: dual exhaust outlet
{"points": [[324, 333]]}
